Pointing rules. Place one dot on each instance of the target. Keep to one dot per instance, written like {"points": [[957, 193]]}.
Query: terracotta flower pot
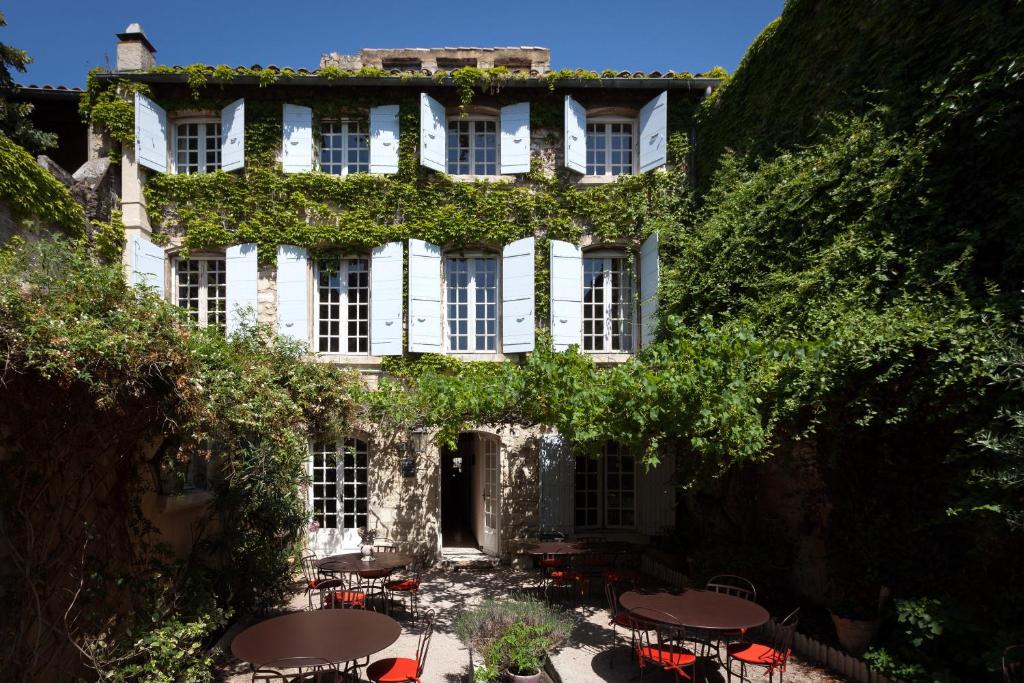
{"points": [[521, 678], [855, 635]]}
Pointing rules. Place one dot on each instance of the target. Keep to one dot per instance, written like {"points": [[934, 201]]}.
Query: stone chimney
{"points": [[134, 51]]}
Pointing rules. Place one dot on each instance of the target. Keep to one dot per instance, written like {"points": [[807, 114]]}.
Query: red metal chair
{"points": [[406, 585], [311, 669], [667, 648], [333, 594], [309, 570], [773, 657], [619, 617], [401, 669], [737, 586]]}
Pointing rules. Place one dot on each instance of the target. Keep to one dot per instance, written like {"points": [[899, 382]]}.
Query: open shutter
{"points": [[386, 300], [424, 297], [293, 293], [575, 135], [240, 276], [232, 130], [150, 134], [654, 133], [515, 138], [566, 293], [557, 471], [147, 264], [517, 320], [297, 139], [656, 496], [384, 140], [649, 279], [432, 135]]}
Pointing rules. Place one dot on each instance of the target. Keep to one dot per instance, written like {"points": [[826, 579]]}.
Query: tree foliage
{"points": [[15, 121]]}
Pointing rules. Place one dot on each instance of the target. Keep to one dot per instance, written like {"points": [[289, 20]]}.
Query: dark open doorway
{"points": [[456, 495]]}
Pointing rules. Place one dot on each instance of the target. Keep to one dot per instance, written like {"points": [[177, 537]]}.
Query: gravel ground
{"points": [[590, 657]]}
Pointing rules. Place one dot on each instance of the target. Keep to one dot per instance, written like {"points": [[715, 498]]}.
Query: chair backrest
{"points": [[669, 632], [1013, 664], [383, 545], [326, 594], [272, 671], [612, 597], [309, 570], [730, 584], [423, 644], [782, 639]]}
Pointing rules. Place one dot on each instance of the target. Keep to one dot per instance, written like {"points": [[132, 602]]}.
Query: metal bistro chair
{"points": [[736, 586], [667, 648], [402, 669], [333, 594], [319, 671], [1013, 664], [406, 585], [773, 657], [620, 617]]}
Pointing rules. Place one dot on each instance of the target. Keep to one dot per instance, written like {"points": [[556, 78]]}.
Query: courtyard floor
{"points": [[589, 656]]}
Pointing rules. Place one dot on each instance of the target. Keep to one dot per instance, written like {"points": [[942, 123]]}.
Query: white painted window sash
{"points": [[474, 271], [203, 126], [346, 129], [609, 302], [597, 513], [607, 136], [201, 311], [344, 267], [472, 148]]}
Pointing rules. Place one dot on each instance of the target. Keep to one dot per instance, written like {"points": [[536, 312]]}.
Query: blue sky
{"points": [[68, 37]]}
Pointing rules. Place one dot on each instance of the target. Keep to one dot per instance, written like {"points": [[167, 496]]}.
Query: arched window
{"points": [[200, 287], [471, 302], [343, 305], [605, 489], [608, 296], [197, 145], [339, 494], [473, 140], [344, 147]]}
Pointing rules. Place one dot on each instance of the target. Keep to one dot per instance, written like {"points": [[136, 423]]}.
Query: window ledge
{"points": [[608, 358], [184, 501], [483, 178], [357, 360], [486, 357], [601, 179]]}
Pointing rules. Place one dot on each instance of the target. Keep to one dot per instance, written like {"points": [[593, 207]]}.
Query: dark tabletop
{"points": [[700, 609], [557, 548], [353, 562], [336, 635]]}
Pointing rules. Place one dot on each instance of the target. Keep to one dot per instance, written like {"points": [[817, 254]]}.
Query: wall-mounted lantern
{"points": [[415, 447]]}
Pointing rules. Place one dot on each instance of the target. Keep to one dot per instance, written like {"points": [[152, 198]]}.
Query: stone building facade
{"points": [[502, 484]]}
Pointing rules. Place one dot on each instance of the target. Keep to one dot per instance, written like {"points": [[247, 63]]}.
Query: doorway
{"points": [[457, 470]]}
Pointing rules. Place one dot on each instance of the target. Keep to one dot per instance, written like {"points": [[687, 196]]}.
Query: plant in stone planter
{"points": [[368, 536], [514, 636]]}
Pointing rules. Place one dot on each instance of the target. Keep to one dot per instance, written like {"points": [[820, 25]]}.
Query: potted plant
{"points": [[368, 536], [857, 617], [514, 637]]}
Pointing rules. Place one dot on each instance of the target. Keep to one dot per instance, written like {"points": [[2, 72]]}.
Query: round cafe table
{"points": [[352, 563], [333, 635], [699, 609], [557, 548]]}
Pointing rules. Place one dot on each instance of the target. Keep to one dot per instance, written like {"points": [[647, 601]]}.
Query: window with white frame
{"points": [[200, 286], [608, 310], [610, 147], [197, 146], [343, 305], [471, 303], [344, 147], [605, 489], [339, 474], [473, 146]]}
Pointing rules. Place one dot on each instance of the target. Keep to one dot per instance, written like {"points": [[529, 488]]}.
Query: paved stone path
{"points": [[589, 657]]}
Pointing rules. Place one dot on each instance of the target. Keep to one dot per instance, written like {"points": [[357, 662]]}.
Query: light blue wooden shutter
{"points": [[386, 300], [297, 139], [517, 319], [566, 295], [649, 280], [656, 497], [147, 264], [557, 471], [150, 134], [515, 138], [293, 293], [384, 140], [654, 133], [575, 135], [240, 278], [424, 297], [432, 133], [232, 129]]}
